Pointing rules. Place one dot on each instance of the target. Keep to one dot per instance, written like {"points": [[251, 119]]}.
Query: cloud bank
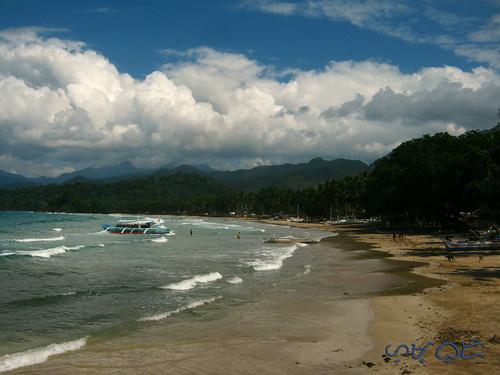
{"points": [[64, 105]]}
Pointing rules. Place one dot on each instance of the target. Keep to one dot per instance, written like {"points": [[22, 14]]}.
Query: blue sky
{"points": [[238, 83], [143, 28]]}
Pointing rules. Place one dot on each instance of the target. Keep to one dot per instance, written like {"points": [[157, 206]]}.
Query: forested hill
{"points": [[437, 179], [291, 175], [297, 176], [182, 193], [178, 193]]}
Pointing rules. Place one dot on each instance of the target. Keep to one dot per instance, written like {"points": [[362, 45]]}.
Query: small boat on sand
{"points": [[489, 240], [471, 245], [137, 226]]}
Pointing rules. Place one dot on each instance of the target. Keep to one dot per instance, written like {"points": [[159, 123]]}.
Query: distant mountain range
{"points": [[298, 176], [109, 172], [8, 180], [291, 175]]}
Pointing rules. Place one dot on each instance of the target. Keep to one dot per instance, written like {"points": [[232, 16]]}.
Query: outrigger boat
{"points": [[485, 241], [471, 245], [135, 226]]}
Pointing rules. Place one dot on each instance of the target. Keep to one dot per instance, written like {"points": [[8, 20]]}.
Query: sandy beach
{"points": [[464, 308]]}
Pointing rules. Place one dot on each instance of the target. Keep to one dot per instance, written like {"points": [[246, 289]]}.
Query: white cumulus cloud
{"points": [[64, 105]]}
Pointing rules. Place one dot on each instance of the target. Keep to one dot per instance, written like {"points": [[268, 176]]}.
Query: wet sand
{"points": [[321, 322]]}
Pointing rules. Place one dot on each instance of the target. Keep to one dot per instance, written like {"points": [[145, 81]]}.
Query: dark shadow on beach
{"points": [[481, 273], [397, 275]]}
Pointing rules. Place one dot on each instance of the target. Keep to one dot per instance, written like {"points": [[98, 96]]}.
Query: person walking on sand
{"points": [[191, 232], [394, 236], [238, 236]]}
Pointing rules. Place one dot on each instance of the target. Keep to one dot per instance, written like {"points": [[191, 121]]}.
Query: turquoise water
{"points": [[62, 279]]}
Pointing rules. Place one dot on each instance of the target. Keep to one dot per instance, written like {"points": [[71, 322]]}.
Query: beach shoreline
{"points": [[420, 298], [464, 308], [314, 318]]}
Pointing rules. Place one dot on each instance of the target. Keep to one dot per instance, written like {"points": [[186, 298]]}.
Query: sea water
{"points": [[64, 281]]}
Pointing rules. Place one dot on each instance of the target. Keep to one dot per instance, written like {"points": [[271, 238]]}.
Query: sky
{"points": [[236, 84]]}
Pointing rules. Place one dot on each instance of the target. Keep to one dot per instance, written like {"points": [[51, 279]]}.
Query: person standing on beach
{"points": [[191, 232], [238, 236]]}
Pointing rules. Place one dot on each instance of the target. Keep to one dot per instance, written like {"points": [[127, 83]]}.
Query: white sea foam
{"points": [[159, 240], [307, 269], [191, 305], [57, 229], [234, 280], [187, 221], [211, 225], [100, 245], [60, 238], [30, 357], [47, 253], [101, 232], [193, 281], [273, 258], [7, 253], [169, 234]]}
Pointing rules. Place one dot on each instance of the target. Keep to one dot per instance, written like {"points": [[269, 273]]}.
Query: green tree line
{"points": [[431, 180]]}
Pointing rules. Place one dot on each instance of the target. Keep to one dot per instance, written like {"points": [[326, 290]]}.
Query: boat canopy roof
{"points": [[146, 220]]}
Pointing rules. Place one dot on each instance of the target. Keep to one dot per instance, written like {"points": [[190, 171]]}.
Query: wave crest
{"points": [[60, 238], [193, 281], [44, 253], [160, 240], [33, 356], [190, 306], [235, 280], [273, 258]]}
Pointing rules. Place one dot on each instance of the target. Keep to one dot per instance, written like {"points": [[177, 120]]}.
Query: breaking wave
{"points": [[159, 240], [190, 306], [234, 280], [273, 258], [33, 356], [60, 238], [44, 253], [193, 281]]}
